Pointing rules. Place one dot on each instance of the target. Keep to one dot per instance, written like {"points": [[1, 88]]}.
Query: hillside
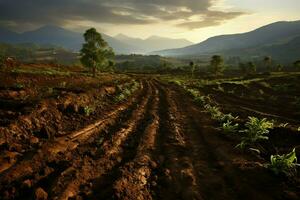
{"points": [[277, 35], [153, 43], [71, 40], [57, 36]]}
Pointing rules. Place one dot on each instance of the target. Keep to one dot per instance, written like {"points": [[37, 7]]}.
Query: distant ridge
{"points": [[71, 40], [254, 43]]}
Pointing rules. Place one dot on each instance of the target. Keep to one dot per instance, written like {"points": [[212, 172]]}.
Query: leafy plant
{"points": [[214, 111], [88, 110], [19, 85], [126, 92], [229, 127], [283, 125], [257, 129], [227, 117], [200, 100], [193, 92], [285, 163]]}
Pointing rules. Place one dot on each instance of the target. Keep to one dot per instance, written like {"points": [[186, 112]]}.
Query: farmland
{"points": [[68, 135]]}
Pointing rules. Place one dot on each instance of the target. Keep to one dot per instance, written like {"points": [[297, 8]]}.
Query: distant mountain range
{"points": [[153, 43], [54, 35], [280, 40]]}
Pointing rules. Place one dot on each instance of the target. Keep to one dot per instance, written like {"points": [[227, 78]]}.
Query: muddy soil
{"points": [[155, 145]]}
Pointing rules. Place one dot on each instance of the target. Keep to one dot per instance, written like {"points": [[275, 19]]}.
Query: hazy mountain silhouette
{"points": [[275, 35], [58, 36], [153, 43]]}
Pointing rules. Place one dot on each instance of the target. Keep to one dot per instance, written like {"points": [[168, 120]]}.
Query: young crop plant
{"points": [[257, 129], [229, 128], [19, 85], [193, 92], [200, 100], [286, 163], [126, 92], [214, 112], [227, 117], [88, 110]]}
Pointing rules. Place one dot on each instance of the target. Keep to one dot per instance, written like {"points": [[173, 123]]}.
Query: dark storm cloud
{"points": [[61, 12]]}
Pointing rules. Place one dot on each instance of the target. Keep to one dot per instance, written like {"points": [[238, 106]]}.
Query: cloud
{"points": [[61, 12], [210, 19]]}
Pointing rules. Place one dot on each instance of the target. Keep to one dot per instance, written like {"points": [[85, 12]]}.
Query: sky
{"points": [[194, 20]]}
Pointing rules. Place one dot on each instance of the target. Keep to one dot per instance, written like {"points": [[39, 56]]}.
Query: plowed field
{"points": [[154, 144]]}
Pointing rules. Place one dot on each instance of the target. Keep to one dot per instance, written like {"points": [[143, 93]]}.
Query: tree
{"points": [[279, 67], [217, 64], [267, 62], [95, 52], [251, 68], [297, 64], [192, 65]]}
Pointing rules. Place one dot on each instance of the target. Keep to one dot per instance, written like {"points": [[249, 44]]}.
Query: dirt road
{"points": [[156, 145]]}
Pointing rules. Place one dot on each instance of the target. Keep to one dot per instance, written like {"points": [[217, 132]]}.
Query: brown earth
{"points": [[155, 145]]}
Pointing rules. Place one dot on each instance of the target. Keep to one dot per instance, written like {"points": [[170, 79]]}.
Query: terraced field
{"points": [[152, 143]]}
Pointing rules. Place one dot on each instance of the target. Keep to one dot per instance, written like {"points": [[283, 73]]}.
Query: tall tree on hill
{"points": [[251, 68], [268, 63], [95, 52], [217, 64], [297, 64], [192, 65]]}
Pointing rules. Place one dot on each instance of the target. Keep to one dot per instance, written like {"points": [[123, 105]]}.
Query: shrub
{"points": [[285, 163]]}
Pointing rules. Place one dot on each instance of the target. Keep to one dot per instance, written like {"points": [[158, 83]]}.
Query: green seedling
{"points": [[286, 163], [257, 129]]}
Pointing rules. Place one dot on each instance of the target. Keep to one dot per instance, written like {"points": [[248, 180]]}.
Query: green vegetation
{"points": [[217, 64], [42, 71], [19, 85], [88, 110], [192, 65], [267, 63], [286, 163], [257, 129], [126, 91], [96, 53], [229, 128], [297, 64]]}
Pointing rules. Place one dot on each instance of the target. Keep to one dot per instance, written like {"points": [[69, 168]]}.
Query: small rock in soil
{"points": [[40, 194]]}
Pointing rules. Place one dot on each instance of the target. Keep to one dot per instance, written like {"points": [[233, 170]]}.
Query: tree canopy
{"points": [[95, 52], [217, 64]]}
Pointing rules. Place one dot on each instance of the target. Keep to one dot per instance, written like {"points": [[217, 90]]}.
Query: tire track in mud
{"points": [[110, 186], [35, 167], [136, 175], [176, 176]]}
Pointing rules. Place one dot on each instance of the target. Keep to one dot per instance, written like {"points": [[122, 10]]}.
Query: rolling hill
{"points": [[58, 36], [153, 43], [267, 40]]}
